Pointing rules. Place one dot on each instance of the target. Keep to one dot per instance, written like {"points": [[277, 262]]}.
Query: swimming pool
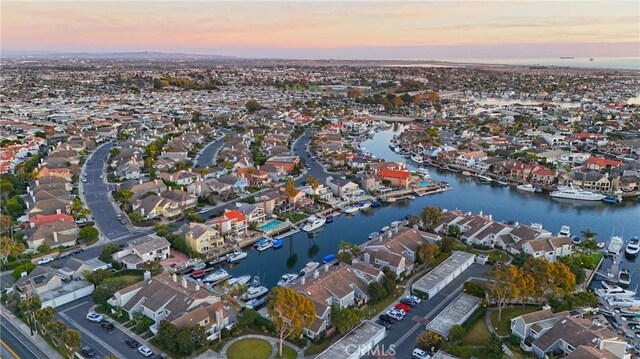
{"points": [[425, 184], [270, 225]]}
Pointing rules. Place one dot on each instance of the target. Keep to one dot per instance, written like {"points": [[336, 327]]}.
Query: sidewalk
{"points": [[35, 339], [131, 334]]}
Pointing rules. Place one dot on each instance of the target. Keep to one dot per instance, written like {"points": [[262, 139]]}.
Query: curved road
{"points": [[206, 157]]}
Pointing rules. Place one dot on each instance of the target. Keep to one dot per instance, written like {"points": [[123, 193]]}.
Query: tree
{"points": [[190, 339], [427, 253], [252, 106], [88, 235], [72, 340], [456, 333], [377, 292], [430, 217], [354, 92], [26, 267], [345, 319], [493, 349], [312, 181], [428, 340], [503, 286], [167, 335], [154, 267], [9, 248], [123, 196], [588, 234], [290, 312], [290, 188], [107, 251], [453, 230], [6, 222]]}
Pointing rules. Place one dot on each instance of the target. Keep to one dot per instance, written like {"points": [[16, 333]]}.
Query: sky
{"points": [[327, 29]]}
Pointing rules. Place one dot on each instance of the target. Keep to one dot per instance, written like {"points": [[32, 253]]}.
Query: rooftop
{"points": [[357, 338], [442, 271], [454, 314]]}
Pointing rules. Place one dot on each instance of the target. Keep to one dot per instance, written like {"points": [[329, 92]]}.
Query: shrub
{"points": [[26, 267]]}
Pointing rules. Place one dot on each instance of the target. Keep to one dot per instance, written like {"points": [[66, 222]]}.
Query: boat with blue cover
{"points": [[328, 258]]}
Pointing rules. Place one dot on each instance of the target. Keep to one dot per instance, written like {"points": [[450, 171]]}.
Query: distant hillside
{"points": [[143, 55]]}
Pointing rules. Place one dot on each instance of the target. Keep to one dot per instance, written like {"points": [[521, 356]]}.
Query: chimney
{"points": [[303, 280], [367, 258], [58, 211], [326, 267], [55, 237], [37, 183], [316, 274], [146, 275], [175, 278], [184, 282], [480, 213]]}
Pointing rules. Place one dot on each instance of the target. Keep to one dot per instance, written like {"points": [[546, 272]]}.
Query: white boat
{"points": [[466, 173], [391, 199], [394, 224], [526, 188], [254, 292], [417, 158], [565, 231], [384, 229], [364, 205], [614, 292], [615, 245], [373, 235], [423, 172], [287, 278], [633, 247], [411, 197], [255, 302], [571, 192], [263, 244], [622, 302], [314, 223], [310, 267], [484, 179], [237, 255], [624, 277], [350, 209], [240, 280], [217, 276]]}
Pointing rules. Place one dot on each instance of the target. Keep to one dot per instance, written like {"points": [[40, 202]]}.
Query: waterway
{"points": [[504, 203]]}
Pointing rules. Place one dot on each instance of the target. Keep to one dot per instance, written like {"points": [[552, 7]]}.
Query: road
{"points": [[14, 344], [300, 148], [206, 157], [403, 335]]}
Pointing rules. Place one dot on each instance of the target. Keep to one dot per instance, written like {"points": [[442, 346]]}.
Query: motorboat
{"points": [[633, 247], [384, 229], [576, 240], [571, 192], [217, 276], [526, 188], [310, 267], [364, 205], [255, 292], [502, 182], [411, 196], [329, 218], [313, 223], [614, 292], [417, 158], [423, 172], [263, 244], [624, 277], [484, 179], [623, 302], [375, 203], [612, 199], [350, 209], [236, 255], [395, 224], [600, 245], [255, 281], [466, 173], [198, 273], [328, 258], [240, 280], [615, 245], [199, 265], [565, 231], [391, 199], [278, 243], [374, 235], [255, 303], [287, 279]]}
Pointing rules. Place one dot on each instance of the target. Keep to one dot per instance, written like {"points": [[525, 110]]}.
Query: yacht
{"points": [[255, 292], [384, 229], [314, 223], [255, 303], [240, 280], [237, 255], [287, 278], [612, 199], [423, 172], [263, 244], [466, 173], [484, 179], [217, 276], [633, 247], [526, 188], [417, 158], [350, 209], [624, 277], [571, 192], [614, 292], [615, 245], [623, 302], [373, 235], [565, 231], [310, 267], [502, 182], [364, 205]]}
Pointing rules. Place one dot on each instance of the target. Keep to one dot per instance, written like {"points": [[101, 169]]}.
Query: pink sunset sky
{"points": [[327, 29]]}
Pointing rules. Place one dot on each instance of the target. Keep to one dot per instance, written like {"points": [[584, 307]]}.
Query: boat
{"points": [[526, 188], [198, 273], [466, 173], [571, 192], [278, 243], [484, 179], [217, 276], [576, 240], [240, 280], [263, 244], [329, 218], [384, 229], [373, 235], [423, 172], [612, 199], [615, 245], [254, 292], [364, 205], [391, 199], [310, 267], [623, 302], [565, 231], [236, 255], [199, 265], [313, 223], [255, 303], [633, 247], [375, 203], [350, 209], [624, 277], [255, 281], [502, 182], [394, 224], [600, 245], [328, 258], [614, 292], [417, 158], [287, 278], [411, 196]]}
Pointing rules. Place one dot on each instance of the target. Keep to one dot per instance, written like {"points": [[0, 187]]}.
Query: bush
{"points": [[26, 267], [44, 248], [420, 294]]}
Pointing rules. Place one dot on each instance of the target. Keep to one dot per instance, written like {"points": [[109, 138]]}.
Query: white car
{"points": [[144, 350], [204, 210], [84, 180], [399, 311], [45, 260], [395, 315], [101, 176], [94, 317], [420, 354], [414, 298]]}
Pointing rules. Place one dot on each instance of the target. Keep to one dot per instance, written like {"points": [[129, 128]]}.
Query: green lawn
{"points": [[503, 327], [495, 255], [478, 334], [288, 353], [249, 348], [372, 309], [317, 348]]}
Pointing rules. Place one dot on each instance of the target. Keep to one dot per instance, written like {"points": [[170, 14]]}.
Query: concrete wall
{"points": [[69, 297]]}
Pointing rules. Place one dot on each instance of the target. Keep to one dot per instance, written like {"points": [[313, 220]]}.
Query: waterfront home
{"points": [[212, 317], [344, 188], [591, 180], [252, 212], [521, 171], [162, 297], [322, 191], [543, 175], [231, 222], [200, 238], [53, 234], [396, 178], [142, 250], [470, 158], [601, 164]]}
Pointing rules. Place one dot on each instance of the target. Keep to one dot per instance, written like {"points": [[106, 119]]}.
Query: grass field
{"points": [[478, 334], [288, 353], [503, 326], [250, 348]]}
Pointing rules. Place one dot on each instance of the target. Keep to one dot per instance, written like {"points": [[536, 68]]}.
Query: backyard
{"points": [[478, 334], [503, 326]]}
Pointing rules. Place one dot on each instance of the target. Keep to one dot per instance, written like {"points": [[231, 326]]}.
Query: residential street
{"points": [[207, 155], [21, 346]]}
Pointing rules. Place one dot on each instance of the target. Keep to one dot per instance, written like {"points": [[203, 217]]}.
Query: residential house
{"points": [[543, 175], [231, 222], [142, 250], [344, 188], [212, 317], [287, 163], [469, 159], [53, 234], [550, 248], [396, 178], [201, 238]]}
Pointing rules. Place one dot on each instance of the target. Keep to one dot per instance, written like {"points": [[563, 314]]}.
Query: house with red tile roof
{"points": [[232, 221], [40, 219], [599, 164], [541, 174], [397, 178]]}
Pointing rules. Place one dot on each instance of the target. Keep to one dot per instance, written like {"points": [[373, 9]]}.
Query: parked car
{"points": [[395, 315], [420, 354], [108, 326], [386, 318], [385, 324], [404, 307], [132, 343], [204, 210], [414, 298], [402, 312], [95, 317], [144, 350], [101, 176], [408, 302], [45, 260], [88, 352]]}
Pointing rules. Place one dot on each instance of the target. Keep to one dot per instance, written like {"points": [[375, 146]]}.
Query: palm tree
{"points": [[588, 234]]}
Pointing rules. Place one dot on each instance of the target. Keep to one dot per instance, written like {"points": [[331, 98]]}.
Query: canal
{"points": [[504, 203]]}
